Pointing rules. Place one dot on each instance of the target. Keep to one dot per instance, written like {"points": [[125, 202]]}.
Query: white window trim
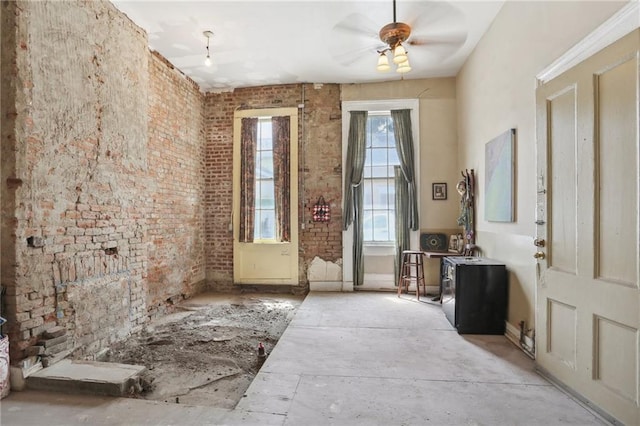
{"points": [[383, 105]]}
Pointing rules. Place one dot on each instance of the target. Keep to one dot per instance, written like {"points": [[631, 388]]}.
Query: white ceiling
{"points": [[263, 42]]}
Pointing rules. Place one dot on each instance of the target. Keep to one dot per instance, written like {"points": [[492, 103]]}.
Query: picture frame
{"points": [[439, 191]]}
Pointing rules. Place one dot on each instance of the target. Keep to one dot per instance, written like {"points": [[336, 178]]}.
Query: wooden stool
{"points": [[411, 262]]}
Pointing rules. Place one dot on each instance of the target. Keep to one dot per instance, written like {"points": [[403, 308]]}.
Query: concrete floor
{"points": [[351, 359]]}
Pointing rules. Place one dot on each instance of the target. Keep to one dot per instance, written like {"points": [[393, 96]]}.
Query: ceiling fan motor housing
{"points": [[395, 33]]}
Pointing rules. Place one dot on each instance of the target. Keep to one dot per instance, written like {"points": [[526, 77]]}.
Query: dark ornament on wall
{"points": [[321, 211]]}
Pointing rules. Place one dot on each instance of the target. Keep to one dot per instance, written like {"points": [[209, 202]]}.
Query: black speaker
{"points": [[433, 242]]}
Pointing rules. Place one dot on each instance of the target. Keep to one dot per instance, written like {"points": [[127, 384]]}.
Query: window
{"points": [[265, 215], [379, 188]]}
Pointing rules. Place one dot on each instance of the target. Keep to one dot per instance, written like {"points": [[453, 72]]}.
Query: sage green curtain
{"points": [[248, 137], [281, 176], [404, 145], [353, 191], [402, 230]]}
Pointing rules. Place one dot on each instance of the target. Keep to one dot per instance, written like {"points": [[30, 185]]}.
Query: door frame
{"points": [[281, 259]]}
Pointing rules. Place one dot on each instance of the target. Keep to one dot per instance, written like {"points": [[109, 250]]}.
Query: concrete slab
{"points": [[353, 359], [87, 377], [74, 410], [375, 401], [270, 393]]}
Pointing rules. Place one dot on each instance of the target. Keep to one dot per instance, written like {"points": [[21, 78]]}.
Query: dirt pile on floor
{"points": [[207, 352]]}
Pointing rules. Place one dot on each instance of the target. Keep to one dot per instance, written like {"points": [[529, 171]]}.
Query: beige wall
{"points": [[438, 141], [438, 145], [495, 92]]}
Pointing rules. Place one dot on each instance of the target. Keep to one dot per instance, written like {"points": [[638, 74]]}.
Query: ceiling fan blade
{"points": [[450, 38], [436, 14], [353, 39], [359, 25], [347, 58]]}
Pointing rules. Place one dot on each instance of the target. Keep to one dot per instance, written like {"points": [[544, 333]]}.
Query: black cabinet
{"points": [[474, 294]]}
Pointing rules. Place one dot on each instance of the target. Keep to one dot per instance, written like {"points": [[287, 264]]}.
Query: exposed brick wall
{"points": [[113, 205], [321, 163], [80, 174], [174, 227], [102, 168], [320, 174]]}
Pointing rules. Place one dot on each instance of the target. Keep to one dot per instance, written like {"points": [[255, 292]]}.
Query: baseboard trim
{"points": [[513, 334], [594, 409]]}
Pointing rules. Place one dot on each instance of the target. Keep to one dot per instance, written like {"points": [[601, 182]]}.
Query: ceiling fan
{"points": [[436, 29], [394, 34]]}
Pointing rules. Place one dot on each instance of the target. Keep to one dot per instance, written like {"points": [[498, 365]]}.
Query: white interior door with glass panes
{"points": [[379, 192]]}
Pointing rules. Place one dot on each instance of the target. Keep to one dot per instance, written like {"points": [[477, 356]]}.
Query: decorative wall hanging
{"points": [[466, 189], [438, 191], [499, 177], [321, 211]]}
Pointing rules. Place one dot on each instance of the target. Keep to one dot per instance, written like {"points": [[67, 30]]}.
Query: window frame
{"points": [[258, 189], [390, 181], [267, 262]]}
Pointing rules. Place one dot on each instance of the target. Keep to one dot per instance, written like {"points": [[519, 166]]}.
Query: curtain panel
{"points": [[353, 191], [281, 176], [249, 132], [402, 230], [404, 146]]}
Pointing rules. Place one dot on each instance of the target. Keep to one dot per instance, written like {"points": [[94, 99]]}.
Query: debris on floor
{"points": [[208, 352]]}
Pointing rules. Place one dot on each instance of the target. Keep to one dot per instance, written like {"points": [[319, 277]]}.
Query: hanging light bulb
{"points": [[404, 67], [383, 63], [207, 60], [399, 54]]}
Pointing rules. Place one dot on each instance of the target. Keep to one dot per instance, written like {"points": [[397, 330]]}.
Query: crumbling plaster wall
{"points": [[101, 175], [320, 172]]}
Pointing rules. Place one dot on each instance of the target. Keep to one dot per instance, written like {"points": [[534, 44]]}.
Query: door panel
{"points": [[562, 137], [618, 167], [562, 332], [588, 302], [616, 341]]}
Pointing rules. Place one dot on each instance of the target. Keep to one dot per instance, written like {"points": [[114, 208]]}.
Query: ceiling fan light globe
{"points": [[383, 63], [403, 67], [399, 54]]}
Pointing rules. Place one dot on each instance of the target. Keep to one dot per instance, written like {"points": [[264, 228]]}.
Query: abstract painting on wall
{"points": [[499, 178]]}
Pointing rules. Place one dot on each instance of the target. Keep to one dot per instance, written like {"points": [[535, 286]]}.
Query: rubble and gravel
{"points": [[206, 353]]}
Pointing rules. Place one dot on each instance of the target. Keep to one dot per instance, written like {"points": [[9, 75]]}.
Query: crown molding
{"points": [[622, 23]]}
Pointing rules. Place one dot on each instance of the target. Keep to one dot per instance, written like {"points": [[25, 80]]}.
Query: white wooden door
{"points": [[266, 262], [588, 300]]}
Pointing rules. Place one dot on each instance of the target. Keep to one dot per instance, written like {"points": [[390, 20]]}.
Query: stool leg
{"points": [[418, 267], [420, 276], [401, 274]]}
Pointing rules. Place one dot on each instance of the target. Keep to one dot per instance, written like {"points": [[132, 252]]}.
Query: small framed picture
{"points": [[439, 191]]}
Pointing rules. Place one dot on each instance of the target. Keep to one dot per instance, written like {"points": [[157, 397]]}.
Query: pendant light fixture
{"points": [[207, 60], [394, 34]]}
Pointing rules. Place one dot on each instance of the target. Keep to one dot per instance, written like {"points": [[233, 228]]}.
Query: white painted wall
{"points": [[495, 92]]}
